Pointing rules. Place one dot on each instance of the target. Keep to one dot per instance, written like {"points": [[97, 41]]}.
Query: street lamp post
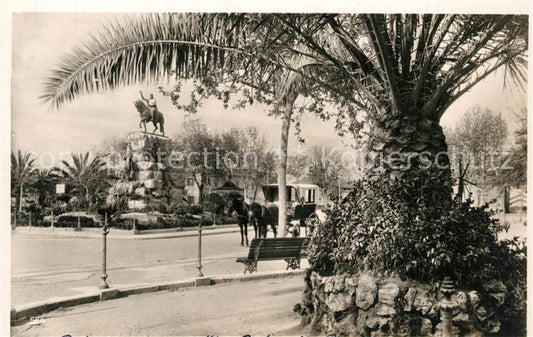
{"points": [[103, 284], [200, 251]]}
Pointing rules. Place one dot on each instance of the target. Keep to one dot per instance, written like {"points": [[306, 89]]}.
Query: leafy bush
{"points": [[379, 227], [385, 225], [195, 210], [72, 221], [215, 203]]}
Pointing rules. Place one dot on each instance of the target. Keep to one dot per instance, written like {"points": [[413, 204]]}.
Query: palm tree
{"points": [[84, 174], [44, 185], [401, 72], [22, 168]]}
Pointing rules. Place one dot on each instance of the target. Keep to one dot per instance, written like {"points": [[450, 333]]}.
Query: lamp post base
{"points": [[103, 284]]}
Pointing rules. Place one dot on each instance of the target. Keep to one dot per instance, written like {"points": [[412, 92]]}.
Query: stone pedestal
{"points": [[142, 182]]}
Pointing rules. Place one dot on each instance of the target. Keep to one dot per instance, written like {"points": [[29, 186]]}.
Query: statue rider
{"points": [[152, 105]]}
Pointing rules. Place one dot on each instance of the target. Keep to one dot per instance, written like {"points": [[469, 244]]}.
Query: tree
{"points": [[401, 72], [298, 165], [199, 148], [22, 168], [515, 173], [476, 147], [43, 183], [114, 148], [250, 157], [85, 174], [326, 168]]}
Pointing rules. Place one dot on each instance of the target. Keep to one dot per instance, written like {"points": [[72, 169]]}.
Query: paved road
{"points": [[256, 307], [44, 267]]}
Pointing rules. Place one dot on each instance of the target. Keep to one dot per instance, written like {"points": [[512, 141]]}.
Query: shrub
{"points": [[380, 228], [72, 221], [195, 210]]}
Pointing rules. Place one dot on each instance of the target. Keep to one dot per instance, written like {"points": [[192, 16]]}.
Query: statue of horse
{"points": [[146, 117]]}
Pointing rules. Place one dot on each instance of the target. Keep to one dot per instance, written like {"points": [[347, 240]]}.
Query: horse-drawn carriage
{"points": [[301, 210], [301, 205]]}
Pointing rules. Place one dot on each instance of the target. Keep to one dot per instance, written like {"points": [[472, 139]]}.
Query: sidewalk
{"points": [[257, 307], [127, 234]]}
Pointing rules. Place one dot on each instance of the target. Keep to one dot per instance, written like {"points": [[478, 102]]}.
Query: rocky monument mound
{"points": [[142, 185]]}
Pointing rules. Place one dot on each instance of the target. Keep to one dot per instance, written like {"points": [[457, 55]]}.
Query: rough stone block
{"points": [[152, 184], [329, 283], [426, 327], [422, 303], [141, 191], [481, 313], [122, 188], [136, 204], [339, 284], [366, 292], [347, 327], [463, 320], [385, 310], [144, 175], [388, 293], [145, 166], [372, 322], [350, 283], [140, 156], [494, 326], [409, 299], [474, 298], [157, 194], [157, 175], [461, 300], [339, 301]]}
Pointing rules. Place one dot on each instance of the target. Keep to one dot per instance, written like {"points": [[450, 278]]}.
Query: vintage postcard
{"points": [[303, 169]]}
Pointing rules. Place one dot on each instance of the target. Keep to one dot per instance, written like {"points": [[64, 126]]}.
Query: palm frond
{"points": [[416, 64], [148, 48]]}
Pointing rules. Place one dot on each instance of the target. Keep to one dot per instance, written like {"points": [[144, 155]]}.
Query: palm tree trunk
{"points": [[407, 148], [87, 198], [20, 197]]}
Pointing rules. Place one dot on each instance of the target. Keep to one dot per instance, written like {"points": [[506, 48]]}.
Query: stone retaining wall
{"points": [[364, 305]]}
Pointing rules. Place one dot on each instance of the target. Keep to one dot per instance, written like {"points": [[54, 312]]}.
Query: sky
{"points": [[40, 39]]}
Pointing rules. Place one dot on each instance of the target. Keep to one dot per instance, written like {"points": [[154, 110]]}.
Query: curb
{"points": [[155, 236], [186, 235], [184, 229], [26, 311]]}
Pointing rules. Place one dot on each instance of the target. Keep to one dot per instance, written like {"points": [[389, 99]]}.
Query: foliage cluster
{"points": [[379, 228]]}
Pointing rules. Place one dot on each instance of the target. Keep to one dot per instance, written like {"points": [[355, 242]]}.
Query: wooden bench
{"points": [[289, 249]]}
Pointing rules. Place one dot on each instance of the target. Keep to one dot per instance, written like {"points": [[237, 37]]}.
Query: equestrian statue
{"points": [[148, 112]]}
